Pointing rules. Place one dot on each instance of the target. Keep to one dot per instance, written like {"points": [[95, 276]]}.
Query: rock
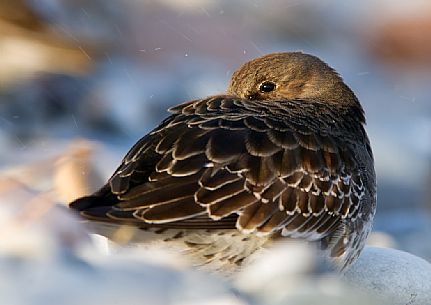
{"points": [[71, 281], [34, 226], [381, 240], [397, 277], [294, 273], [75, 174], [45, 258]]}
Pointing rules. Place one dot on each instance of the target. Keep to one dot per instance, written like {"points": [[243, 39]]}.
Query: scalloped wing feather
{"points": [[267, 165]]}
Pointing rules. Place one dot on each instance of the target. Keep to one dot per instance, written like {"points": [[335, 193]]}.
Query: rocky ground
{"points": [[81, 81]]}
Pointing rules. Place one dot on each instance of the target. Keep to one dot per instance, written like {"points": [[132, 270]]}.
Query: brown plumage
{"points": [[284, 151]]}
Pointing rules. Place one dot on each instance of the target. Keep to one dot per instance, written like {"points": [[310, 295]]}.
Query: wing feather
{"points": [[226, 162]]}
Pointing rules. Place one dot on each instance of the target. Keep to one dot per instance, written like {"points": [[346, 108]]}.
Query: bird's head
{"points": [[289, 76]]}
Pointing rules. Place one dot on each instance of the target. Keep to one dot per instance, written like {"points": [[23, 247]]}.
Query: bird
{"points": [[282, 154]]}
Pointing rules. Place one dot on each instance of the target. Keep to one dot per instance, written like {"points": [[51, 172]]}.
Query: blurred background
{"points": [[81, 81]]}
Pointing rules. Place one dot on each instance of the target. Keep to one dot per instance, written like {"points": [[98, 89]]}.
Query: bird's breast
{"points": [[218, 250]]}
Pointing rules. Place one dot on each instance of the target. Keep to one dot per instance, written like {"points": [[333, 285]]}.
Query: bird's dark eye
{"points": [[267, 87]]}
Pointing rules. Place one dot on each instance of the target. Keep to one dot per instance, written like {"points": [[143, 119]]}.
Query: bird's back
{"points": [[228, 171]]}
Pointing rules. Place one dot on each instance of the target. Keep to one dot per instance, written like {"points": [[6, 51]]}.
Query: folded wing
{"points": [[225, 162]]}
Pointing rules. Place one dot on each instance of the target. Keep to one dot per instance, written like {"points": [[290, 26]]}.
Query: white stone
{"points": [[397, 277], [295, 273]]}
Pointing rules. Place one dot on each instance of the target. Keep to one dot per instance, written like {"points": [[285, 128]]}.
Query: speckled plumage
{"points": [[252, 165]]}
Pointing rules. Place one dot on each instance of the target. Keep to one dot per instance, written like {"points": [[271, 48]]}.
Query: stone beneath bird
{"points": [[283, 154]]}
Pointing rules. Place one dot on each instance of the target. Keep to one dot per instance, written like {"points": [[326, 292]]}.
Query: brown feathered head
{"points": [[290, 76]]}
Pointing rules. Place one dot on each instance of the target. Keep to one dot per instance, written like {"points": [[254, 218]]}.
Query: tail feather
{"points": [[102, 198], [87, 202]]}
